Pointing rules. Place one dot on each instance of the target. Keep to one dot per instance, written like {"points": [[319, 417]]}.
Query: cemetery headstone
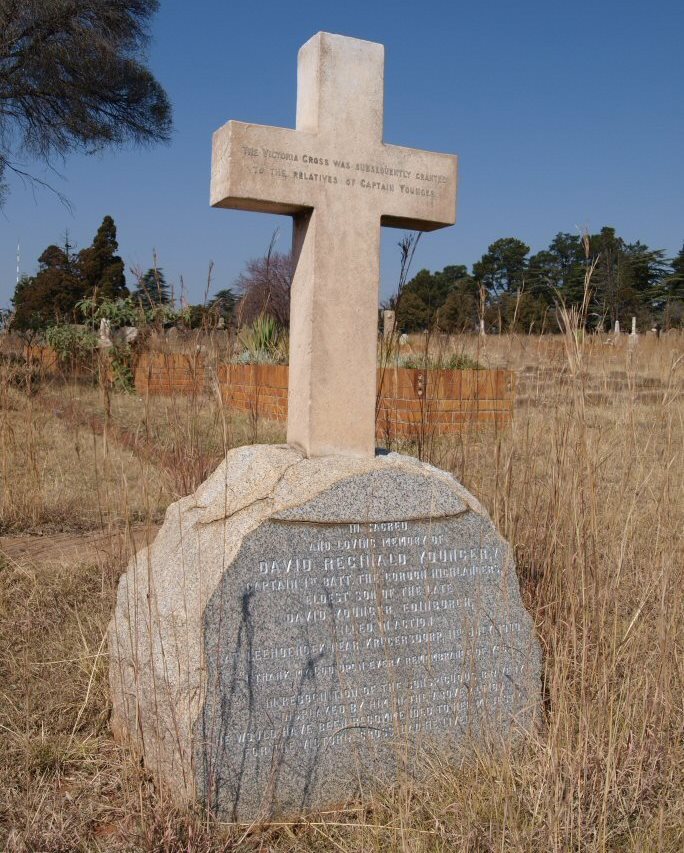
{"points": [[388, 323], [306, 626], [633, 335], [104, 340], [340, 182]]}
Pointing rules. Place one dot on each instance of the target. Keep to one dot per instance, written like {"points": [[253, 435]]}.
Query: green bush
{"points": [[71, 343]]}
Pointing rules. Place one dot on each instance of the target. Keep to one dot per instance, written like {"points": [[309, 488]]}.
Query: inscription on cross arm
{"points": [[339, 181]]}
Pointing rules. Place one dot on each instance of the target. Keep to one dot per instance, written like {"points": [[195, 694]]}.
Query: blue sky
{"points": [[564, 116]]}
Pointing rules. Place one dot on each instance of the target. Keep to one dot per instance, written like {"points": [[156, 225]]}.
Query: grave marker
{"points": [[303, 629], [388, 323], [339, 181]]}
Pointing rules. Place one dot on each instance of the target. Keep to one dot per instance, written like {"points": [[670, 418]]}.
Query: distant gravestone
{"points": [[104, 339], [388, 323], [307, 626], [633, 335]]}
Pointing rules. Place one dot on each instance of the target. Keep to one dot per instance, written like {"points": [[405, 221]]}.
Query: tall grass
{"points": [[586, 485]]}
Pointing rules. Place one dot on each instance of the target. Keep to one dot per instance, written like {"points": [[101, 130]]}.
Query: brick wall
{"points": [[45, 358], [435, 402], [443, 401], [259, 389], [170, 373], [46, 361]]}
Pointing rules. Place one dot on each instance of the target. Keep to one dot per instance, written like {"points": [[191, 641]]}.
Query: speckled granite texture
{"points": [[303, 629]]}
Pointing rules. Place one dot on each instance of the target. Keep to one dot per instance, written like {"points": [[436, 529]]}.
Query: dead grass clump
{"points": [[64, 784]]}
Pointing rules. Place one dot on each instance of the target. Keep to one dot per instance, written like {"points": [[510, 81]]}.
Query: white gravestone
{"points": [[340, 182], [388, 323]]}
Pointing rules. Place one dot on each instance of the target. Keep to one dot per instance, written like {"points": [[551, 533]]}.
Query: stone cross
{"points": [[339, 181]]}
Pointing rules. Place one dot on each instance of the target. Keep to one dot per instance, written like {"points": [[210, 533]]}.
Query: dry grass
{"points": [[588, 487], [58, 475], [184, 436]]}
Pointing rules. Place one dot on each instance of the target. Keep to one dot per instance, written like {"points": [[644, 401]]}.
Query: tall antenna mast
{"points": [[18, 259]]}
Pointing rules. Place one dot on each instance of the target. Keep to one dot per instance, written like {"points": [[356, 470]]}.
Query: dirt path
{"points": [[68, 547]]}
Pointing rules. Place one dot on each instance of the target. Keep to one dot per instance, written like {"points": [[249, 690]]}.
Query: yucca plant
{"points": [[261, 341]]}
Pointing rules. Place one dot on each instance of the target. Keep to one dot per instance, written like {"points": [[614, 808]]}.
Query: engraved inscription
{"points": [[336, 647], [391, 598], [343, 172]]}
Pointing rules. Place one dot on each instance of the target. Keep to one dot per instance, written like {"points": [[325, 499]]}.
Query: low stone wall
{"points": [[412, 402]]}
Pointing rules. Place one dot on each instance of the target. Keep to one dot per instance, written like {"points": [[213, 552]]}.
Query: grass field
{"points": [[588, 486]]}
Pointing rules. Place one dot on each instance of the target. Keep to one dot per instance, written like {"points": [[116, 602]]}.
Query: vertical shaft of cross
{"points": [[340, 88], [333, 335], [333, 326]]}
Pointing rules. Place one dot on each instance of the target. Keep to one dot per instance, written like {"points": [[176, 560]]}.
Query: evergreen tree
{"points": [[460, 311], [101, 268], [502, 268], [675, 281], [51, 295], [673, 293], [643, 292], [608, 279], [152, 289], [223, 304], [422, 298], [558, 271]]}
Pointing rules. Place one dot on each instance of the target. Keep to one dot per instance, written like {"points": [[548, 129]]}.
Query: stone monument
{"points": [[339, 181], [318, 618]]}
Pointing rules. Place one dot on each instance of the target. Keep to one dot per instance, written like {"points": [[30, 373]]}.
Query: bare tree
{"points": [[265, 287]]}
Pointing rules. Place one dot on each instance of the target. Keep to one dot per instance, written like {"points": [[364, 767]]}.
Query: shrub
{"points": [[421, 361], [263, 342], [71, 343]]}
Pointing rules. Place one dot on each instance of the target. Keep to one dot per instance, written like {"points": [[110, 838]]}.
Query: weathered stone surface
{"points": [[340, 182], [302, 628]]}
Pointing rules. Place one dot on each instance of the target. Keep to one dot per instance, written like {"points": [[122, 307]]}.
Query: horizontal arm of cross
{"points": [[247, 165], [278, 170]]}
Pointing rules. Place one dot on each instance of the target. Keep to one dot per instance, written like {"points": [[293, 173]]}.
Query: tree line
{"points": [[510, 290], [66, 279], [507, 289]]}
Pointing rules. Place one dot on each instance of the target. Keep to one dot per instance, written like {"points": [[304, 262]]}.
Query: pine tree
{"points": [[223, 304], [152, 289], [502, 268], [675, 282], [73, 76], [101, 269]]}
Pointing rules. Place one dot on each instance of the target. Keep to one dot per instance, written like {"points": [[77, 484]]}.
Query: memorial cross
{"points": [[339, 181]]}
